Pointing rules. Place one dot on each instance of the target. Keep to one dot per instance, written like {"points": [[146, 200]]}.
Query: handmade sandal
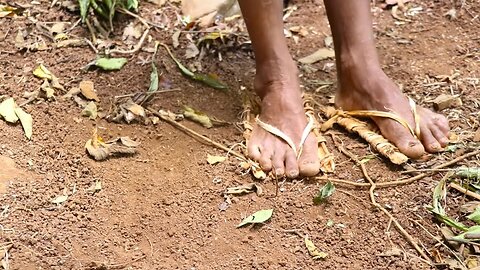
{"points": [[378, 142], [326, 159]]}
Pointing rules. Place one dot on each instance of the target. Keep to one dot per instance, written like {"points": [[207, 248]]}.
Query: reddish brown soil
{"points": [[159, 209]]}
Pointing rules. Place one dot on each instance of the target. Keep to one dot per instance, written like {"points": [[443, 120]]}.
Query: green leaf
{"points": [[210, 81], [110, 63], [475, 216], [470, 173], [325, 192], [257, 217], [132, 4], [205, 79], [472, 233], [84, 5]]}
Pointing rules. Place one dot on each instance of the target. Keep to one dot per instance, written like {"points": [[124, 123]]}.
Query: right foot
{"points": [[282, 107]]}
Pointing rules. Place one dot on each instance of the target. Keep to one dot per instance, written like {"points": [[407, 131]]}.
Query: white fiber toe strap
{"points": [[277, 132]]}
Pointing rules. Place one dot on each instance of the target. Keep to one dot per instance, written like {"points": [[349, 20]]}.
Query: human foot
{"points": [[369, 88], [277, 85]]}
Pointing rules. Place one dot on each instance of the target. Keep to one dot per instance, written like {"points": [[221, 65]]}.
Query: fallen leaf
{"points": [[132, 32], [43, 73], [175, 38], [60, 199], [90, 110], [154, 74], [100, 150], [49, 91], [135, 108], [328, 41], [110, 63], [258, 173], [7, 110], [205, 79], [26, 121], [191, 51], [320, 54], [245, 189], [129, 142], [313, 250], [57, 28], [475, 216], [446, 101], [88, 91], [197, 116], [470, 173], [325, 192], [469, 207], [257, 217], [9, 11], [212, 160], [96, 187]]}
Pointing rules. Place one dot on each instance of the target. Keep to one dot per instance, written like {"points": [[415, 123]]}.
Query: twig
{"points": [[439, 241], [377, 205], [145, 22], [151, 93], [426, 170], [91, 45], [92, 32], [411, 179], [197, 135], [465, 191], [135, 49]]}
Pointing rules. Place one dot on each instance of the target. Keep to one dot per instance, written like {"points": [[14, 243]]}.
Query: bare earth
{"points": [[159, 209]]}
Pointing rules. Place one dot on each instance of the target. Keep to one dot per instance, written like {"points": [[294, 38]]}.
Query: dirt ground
{"points": [[159, 209]]}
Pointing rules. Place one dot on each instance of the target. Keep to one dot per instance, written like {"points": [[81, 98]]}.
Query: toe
{"points": [[309, 163], [265, 160], [429, 141], [278, 161], [291, 165], [401, 137], [440, 136], [253, 151]]}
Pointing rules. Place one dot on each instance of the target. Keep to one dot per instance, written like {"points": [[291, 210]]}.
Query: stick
{"points": [[135, 49], [197, 135], [465, 191], [152, 93], [411, 179], [377, 205]]}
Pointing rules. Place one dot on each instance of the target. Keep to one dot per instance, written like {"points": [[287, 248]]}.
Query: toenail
{"points": [[435, 146], [293, 174], [412, 143]]}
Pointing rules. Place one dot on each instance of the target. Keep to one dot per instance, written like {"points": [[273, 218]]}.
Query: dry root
{"points": [[353, 125]]}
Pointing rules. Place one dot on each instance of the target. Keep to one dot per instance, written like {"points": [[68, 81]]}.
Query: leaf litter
{"points": [[245, 189], [257, 217], [100, 150], [313, 250], [11, 113]]}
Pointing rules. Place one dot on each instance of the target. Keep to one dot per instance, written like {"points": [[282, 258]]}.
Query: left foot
{"points": [[366, 87]]}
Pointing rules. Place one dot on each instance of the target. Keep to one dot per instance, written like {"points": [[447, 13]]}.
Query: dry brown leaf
{"points": [[49, 91], [245, 188], [100, 150], [26, 121], [320, 54], [175, 38], [191, 51], [7, 110], [90, 110], [197, 116], [212, 160], [88, 91]]}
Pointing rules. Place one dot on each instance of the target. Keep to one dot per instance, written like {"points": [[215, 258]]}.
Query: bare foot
{"points": [[277, 85], [368, 88]]}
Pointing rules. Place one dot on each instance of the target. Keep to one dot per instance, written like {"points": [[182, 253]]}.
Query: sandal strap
{"points": [[277, 132]]}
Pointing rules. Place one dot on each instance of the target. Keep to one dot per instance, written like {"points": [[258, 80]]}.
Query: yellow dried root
{"points": [[353, 125], [327, 163]]}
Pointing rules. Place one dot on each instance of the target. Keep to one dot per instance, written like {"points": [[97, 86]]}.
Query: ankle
{"points": [[276, 75]]}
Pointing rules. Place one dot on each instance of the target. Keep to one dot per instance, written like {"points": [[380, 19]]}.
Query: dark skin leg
{"points": [[362, 85], [276, 83]]}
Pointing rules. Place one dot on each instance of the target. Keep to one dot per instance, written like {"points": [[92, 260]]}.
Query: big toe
{"points": [[401, 137], [309, 163]]}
